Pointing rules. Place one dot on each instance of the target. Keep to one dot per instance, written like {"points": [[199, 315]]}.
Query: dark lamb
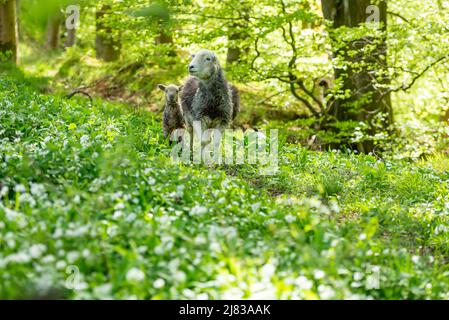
{"points": [[172, 118]]}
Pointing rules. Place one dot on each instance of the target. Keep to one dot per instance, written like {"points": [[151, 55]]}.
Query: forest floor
{"points": [[92, 206]]}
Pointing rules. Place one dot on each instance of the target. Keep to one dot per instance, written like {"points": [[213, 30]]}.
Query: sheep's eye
{"points": [[208, 59], [193, 56]]}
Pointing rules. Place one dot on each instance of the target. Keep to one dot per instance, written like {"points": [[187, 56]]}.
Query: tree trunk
{"points": [[238, 33], [107, 47], [234, 52], [8, 29], [367, 100], [70, 40], [53, 28], [19, 27], [165, 38], [445, 117]]}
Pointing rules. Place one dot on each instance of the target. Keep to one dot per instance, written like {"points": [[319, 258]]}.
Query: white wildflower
{"points": [[11, 215], [48, 259], [215, 246], [61, 264], [232, 293], [84, 140], [4, 191], [198, 210], [119, 206], [85, 253], [20, 257], [117, 214], [179, 276], [36, 250], [325, 292], [319, 274], [268, 270], [20, 188], [72, 256], [159, 283], [135, 275], [131, 217], [303, 283], [37, 189], [199, 240], [202, 296], [357, 276], [103, 291]]}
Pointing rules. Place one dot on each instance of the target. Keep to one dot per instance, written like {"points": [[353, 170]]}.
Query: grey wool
{"points": [[206, 95], [172, 118]]}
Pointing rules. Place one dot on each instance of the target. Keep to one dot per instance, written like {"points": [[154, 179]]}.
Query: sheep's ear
{"points": [[162, 87]]}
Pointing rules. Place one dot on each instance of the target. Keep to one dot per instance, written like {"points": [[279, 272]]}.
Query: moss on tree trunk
{"points": [[367, 100], [53, 31], [107, 46], [8, 29]]}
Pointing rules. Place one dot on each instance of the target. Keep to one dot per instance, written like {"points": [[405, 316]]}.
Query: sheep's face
{"points": [[204, 64], [171, 92]]}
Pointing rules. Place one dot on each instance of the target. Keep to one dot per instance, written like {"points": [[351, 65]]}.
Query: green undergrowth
{"points": [[92, 206]]}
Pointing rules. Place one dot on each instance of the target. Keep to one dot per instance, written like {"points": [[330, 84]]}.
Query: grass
{"points": [[91, 206]]}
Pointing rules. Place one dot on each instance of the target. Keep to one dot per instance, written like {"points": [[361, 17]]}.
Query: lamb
{"points": [[172, 118], [207, 96]]}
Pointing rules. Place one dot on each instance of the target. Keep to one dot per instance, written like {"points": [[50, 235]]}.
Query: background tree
{"points": [[8, 29], [160, 13], [53, 34], [71, 24], [239, 33], [279, 52], [70, 38], [107, 45], [362, 66]]}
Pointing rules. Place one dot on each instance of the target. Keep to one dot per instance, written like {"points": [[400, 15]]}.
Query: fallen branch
{"points": [[79, 91]]}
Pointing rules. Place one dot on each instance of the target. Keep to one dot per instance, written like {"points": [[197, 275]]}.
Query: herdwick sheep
{"points": [[172, 118], [206, 96]]}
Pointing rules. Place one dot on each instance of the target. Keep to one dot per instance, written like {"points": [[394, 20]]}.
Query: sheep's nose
{"points": [[191, 67]]}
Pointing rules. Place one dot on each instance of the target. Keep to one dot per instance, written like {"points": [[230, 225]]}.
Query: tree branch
{"points": [[415, 78], [303, 100], [398, 15], [310, 94], [272, 96]]}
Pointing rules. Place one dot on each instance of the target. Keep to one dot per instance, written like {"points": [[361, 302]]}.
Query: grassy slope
{"points": [[92, 189]]}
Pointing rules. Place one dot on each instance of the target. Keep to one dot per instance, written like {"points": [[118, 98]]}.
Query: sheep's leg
{"points": [[196, 141], [217, 139], [212, 142], [191, 143]]}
